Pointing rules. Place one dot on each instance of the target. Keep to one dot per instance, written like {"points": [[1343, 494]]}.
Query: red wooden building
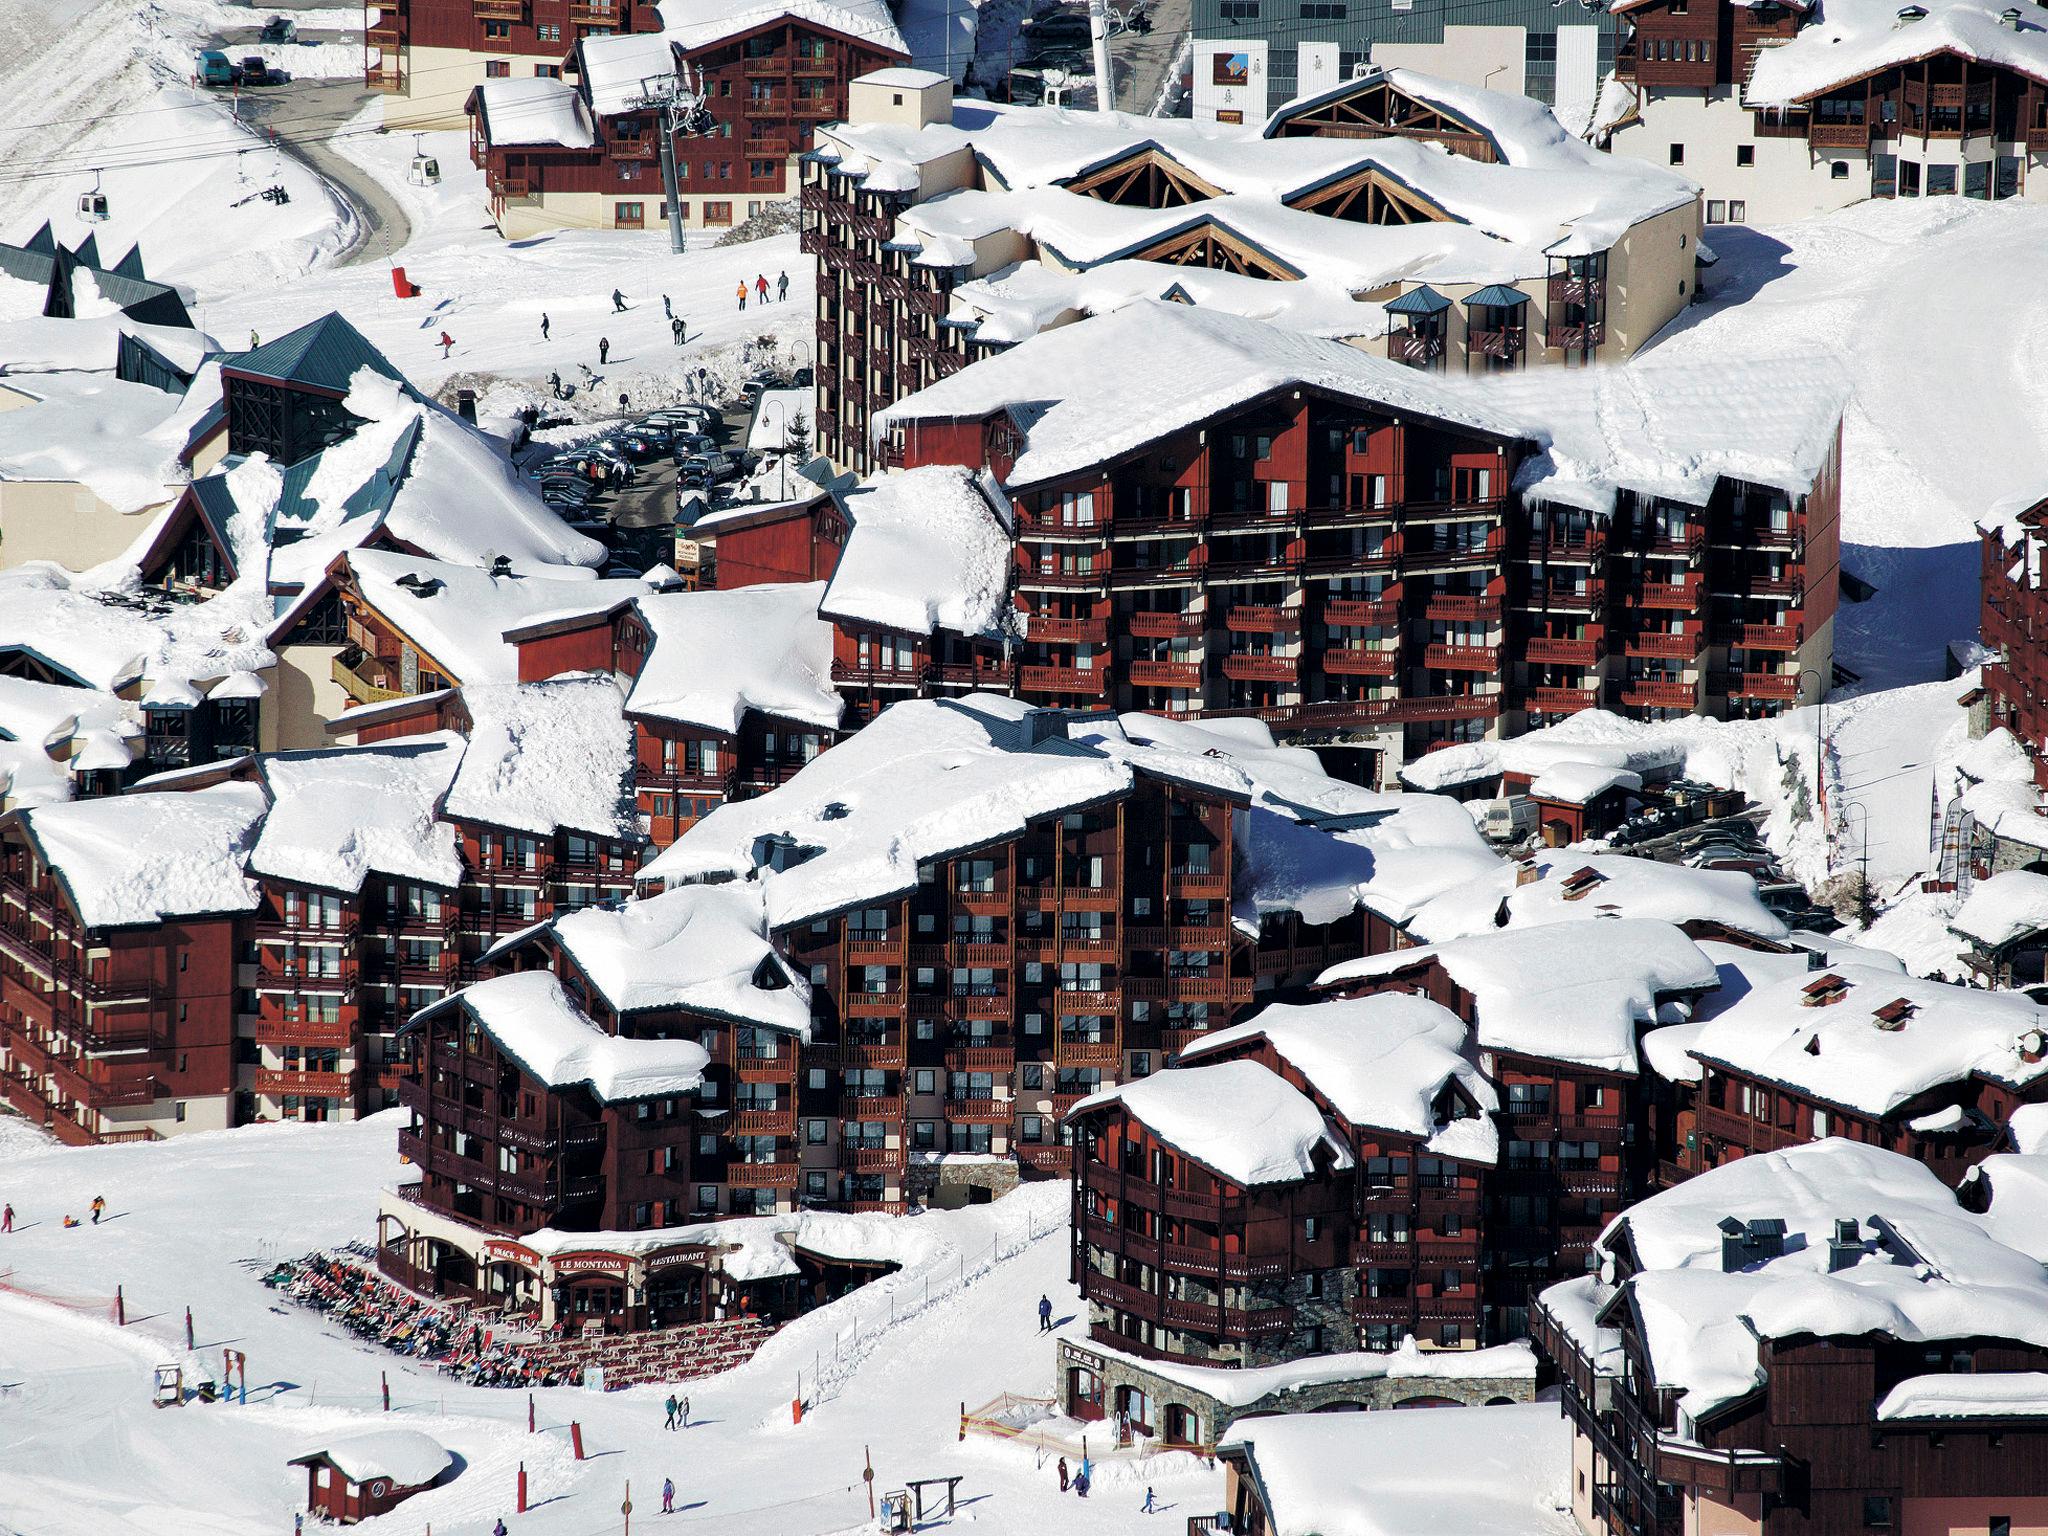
{"points": [[366, 1475]]}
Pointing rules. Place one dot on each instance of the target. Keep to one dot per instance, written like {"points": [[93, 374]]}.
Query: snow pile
{"points": [[1241, 1387], [341, 815], [139, 859], [42, 726], [704, 948], [715, 656], [2009, 906], [1246, 1124], [1581, 1001], [1382, 1062], [2029, 1125], [1620, 886], [1383, 1474], [1890, 1039], [2017, 1213], [621, 72], [1926, 1270], [547, 756], [928, 550], [405, 1456], [531, 1019], [2007, 1395]]}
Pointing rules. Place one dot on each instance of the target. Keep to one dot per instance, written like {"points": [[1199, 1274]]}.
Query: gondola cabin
{"points": [[371, 1474]]}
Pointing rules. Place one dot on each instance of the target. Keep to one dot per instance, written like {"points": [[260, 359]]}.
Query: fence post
{"points": [[120, 1307], [384, 1385], [576, 1437], [522, 1489]]}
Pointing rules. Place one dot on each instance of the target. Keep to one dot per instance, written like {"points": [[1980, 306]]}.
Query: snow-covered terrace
{"points": [[1087, 393], [1560, 892]]}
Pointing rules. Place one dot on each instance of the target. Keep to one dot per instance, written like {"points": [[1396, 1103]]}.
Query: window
{"points": [[1678, 154], [761, 170], [1909, 178], [814, 1132], [1838, 170], [550, 34], [1877, 1511], [1941, 181], [1240, 10], [497, 69], [493, 29], [1717, 211], [1322, 10], [1311, 1227], [629, 215], [718, 213], [2001, 1525], [1738, 211], [547, 71], [1745, 154]]}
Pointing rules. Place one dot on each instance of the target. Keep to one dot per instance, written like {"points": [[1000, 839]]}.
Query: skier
{"points": [[1148, 1502], [675, 329], [1045, 1314], [543, 325], [761, 286], [668, 1496], [99, 1204], [447, 342], [1081, 1482], [1063, 1474], [618, 302], [7, 1219], [665, 310], [671, 1405], [782, 289], [555, 383], [604, 350], [743, 294], [686, 1413], [499, 1529], [255, 341]]}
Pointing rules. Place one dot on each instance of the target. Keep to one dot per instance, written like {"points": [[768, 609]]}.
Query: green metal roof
{"points": [[1499, 295], [324, 354], [1420, 301]]}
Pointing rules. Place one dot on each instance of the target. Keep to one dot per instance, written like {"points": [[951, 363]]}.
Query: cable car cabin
{"points": [[371, 1474], [425, 171], [92, 207]]}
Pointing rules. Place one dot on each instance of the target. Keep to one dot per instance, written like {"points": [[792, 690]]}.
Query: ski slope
{"points": [[83, 1454]]}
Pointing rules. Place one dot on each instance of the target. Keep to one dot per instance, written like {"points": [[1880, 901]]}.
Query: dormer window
{"points": [[1893, 1015], [1823, 991]]}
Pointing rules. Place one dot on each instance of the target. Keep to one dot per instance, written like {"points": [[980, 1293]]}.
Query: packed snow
{"points": [[136, 859]]}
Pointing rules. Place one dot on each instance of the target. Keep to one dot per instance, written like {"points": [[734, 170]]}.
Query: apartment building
{"points": [[1779, 111], [945, 235]]}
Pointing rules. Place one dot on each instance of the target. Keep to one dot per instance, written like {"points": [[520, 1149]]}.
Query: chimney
{"points": [[1526, 872], [1845, 1248], [1734, 1245], [465, 405], [1816, 959]]}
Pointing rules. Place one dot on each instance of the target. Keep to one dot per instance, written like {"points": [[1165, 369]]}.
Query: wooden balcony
{"points": [[763, 1122], [1773, 687], [360, 687], [1409, 347], [1509, 342], [1087, 680], [1461, 610], [1771, 637], [1262, 669], [1249, 619], [1649, 695], [770, 1175], [867, 1157], [315, 1085], [1563, 701], [1069, 631], [1087, 1053], [1368, 613], [1198, 885], [1166, 674], [1559, 651], [1680, 647], [1838, 135], [872, 1106], [1157, 626], [1463, 658], [1670, 596], [498, 10], [980, 1058], [305, 1032], [1361, 661], [990, 1111], [872, 1054], [764, 68]]}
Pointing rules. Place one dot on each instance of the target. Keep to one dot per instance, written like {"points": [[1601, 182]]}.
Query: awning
{"points": [[1498, 295], [1420, 301]]}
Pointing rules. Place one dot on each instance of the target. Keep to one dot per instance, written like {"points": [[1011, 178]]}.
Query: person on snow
{"points": [[555, 383], [685, 1424], [99, 1205], [604, 350], [668, 1496], [1081, 1482], [1045, 1314], [7, 1219], [618, 302], [447, 342], [782, 289], [499, 1529], [543, 325], [1063, 1474], [71, 1221], [669, 313], [761, 286], [743, 294], [671, 1406], [255, 341], [1148, 1502], [675, 329]]}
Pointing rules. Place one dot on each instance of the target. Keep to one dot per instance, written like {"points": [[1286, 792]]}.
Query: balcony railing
{"points": [[1770, 637], [1679, 647], [1156, 626], [1563, 701], [1657, 695], [1069, 631], [1361, 661], [1462, 658], [1251, 620], [1562, 651], [1367, 613], [1774, 687], [1262, 669], [360, 688], [1062, 679], [1166, 674]]}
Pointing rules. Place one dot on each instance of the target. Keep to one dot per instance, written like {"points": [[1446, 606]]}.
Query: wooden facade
{"points": [[2013, 618], [543, 30]]}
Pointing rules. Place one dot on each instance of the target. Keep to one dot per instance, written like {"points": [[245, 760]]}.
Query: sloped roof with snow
{"points": [[547, 756], [2009, 906], [693, 24], [137, 859], [407, 1457], [1385, 1474], [1242, 1120], [1841, 1053], [1927, 1269], [1849, 39], [340, 815], [617, 69], [1382, 1062], [531, 1019], [535, 109], [1553, 993], [1622, 887], [928, 549], [702, 947], [716, 655]]}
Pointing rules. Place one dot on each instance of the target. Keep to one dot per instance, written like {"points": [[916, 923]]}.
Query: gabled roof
{"points": [[323, 354]]}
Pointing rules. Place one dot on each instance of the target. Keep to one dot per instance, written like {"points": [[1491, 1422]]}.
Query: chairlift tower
{"points": [[679, 104]]}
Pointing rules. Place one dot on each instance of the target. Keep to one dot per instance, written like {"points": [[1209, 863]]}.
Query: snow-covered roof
{"points": [[1552, 994], [531, 1019], [2017, 1211], [694, 24], [1241, 1387], [1924, 1269], [715, 655], [617, 69], [2009, 906], [1382, 1062], [2004, 1395], [458, 614], [2029, 1126], [405, 1456], [536, 109], [547, 756], [928, 549], [1888, 1040], [1242, 1120], [114, 438], [1581, 783], [1620, 887], [137, 859], [702, 947], [1849, 39], [339, 815], [1384, 1474], [1088, 393]]}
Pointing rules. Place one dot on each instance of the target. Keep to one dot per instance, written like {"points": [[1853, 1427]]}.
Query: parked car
{"points": [[707, 469], [215, 68], [279, 29], [256, 72], [631, 447], [1062, 29], [686, 416]]}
